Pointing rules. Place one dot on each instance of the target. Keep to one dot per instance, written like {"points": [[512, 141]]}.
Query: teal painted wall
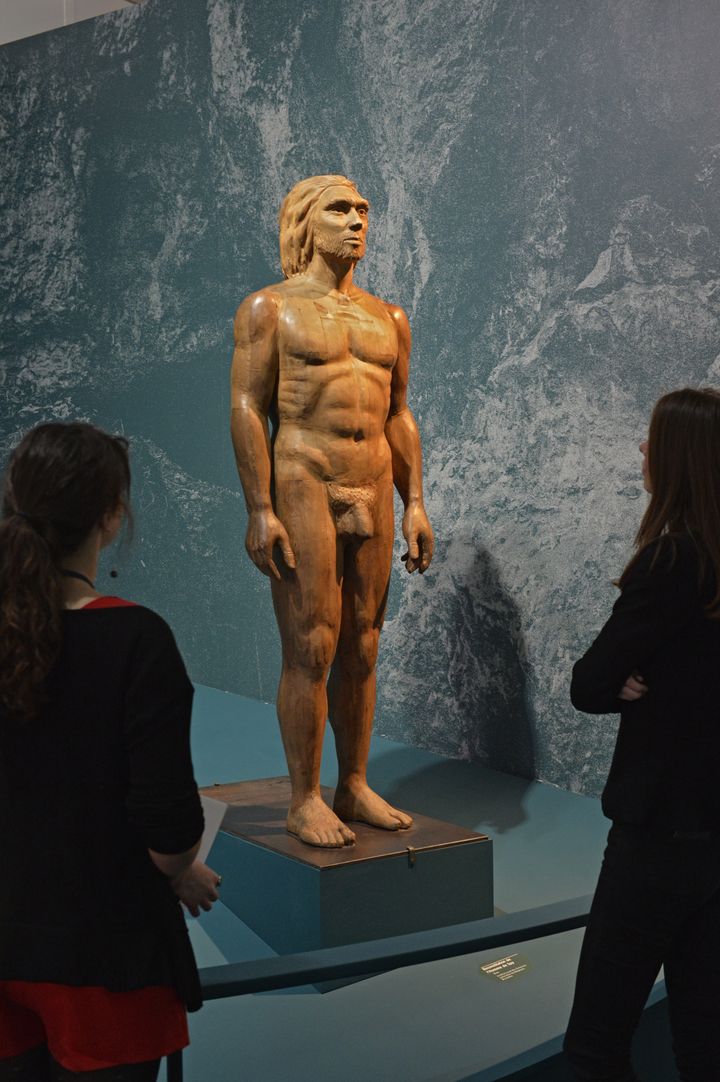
{"points": [[544, 185]]}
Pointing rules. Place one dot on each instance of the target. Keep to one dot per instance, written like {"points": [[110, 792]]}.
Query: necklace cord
{"points": [[66, 573]]}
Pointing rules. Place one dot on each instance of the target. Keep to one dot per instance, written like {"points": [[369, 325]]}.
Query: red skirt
{"points": [[88, 1029]]}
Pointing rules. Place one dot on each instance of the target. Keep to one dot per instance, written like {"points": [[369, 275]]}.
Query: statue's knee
{"points": [[361, 655], [314, 651]]}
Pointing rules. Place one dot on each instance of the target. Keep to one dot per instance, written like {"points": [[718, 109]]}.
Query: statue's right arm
{"points": [[252, 386]]}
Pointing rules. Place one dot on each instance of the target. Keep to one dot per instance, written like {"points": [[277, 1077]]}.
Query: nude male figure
{"points": [[327, 365]]}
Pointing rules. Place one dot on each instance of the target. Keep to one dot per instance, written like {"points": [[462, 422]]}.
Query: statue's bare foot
{"points": [[312, 821], [357, 801]]}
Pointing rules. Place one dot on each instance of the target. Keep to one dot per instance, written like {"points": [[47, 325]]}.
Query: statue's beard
{"points": [[337, 247]]}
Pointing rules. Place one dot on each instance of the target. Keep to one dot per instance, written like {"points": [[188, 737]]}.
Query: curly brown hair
{"points": [[61, 480]]}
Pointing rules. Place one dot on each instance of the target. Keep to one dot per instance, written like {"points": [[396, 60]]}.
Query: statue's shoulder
{"points": [[398, 316], [280, 292], [370, 300], [260, 307], [394, 311]]}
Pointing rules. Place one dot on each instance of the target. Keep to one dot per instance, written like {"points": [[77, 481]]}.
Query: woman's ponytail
{"points": [[62, 479], [30, 614]]}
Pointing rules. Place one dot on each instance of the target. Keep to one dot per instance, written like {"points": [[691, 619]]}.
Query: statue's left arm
{"points": [[402, 434]]}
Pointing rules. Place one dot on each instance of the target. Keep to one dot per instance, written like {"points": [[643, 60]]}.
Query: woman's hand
{"points": [[197, 887], [634, 688]]}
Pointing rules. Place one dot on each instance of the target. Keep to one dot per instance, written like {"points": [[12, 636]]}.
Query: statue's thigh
{"points": [[367, 573], [307, 600]]}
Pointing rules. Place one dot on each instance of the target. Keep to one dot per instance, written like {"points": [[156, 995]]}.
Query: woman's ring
{"points": [[219, 881]]}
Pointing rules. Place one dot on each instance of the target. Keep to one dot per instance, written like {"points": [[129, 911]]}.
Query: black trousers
{"points": [[657, 904]]}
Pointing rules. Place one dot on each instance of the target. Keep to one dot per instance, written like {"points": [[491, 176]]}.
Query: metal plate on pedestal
{"points": [[257, 810]]}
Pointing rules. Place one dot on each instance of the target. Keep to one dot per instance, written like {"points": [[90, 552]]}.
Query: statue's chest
{"points": [[320, 332]]}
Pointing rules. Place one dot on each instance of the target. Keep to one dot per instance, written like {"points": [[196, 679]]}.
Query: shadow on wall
{"points": [[465, 618], [500, 729], [485, 699]]}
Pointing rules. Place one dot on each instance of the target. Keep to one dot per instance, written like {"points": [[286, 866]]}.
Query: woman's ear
{"points": [[110, 525]]}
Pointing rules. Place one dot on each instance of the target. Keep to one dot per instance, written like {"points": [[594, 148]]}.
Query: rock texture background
{"points": [[544, 179]]}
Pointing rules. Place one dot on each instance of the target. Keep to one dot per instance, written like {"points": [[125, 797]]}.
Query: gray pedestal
{"points": [[298, 897]]}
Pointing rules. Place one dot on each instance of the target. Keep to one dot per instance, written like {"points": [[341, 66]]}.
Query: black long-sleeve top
{"points": [[101, 775], [666, 765]]}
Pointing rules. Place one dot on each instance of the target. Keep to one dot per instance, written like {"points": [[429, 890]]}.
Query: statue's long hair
{"points": [[296, 226]]}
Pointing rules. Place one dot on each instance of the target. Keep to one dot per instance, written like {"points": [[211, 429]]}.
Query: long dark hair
{"points": [[60, 482], [683, 462]]}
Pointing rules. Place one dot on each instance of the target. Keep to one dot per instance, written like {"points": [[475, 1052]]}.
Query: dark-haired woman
{"points": [[657, 662], [100, 817]]}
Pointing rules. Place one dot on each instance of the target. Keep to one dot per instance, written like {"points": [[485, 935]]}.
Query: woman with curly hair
{"points": [[100, 818]]}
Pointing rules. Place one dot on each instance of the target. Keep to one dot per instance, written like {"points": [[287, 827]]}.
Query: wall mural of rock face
{"points": [[544, 178]]}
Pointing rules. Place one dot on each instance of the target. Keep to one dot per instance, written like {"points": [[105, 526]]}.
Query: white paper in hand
{"points": [[214, 811]]}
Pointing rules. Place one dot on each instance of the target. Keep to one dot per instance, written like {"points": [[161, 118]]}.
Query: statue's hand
{"points": [[420, 541], [265, 530]]}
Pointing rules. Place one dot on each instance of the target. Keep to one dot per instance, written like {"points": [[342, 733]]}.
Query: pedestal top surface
{"points": [[257, 811]]}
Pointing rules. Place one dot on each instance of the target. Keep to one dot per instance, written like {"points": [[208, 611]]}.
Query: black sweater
{"points": [[667, 757], [103, 774]]}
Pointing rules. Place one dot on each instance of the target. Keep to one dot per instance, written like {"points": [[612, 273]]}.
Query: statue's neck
{"points": [[331, 273]]}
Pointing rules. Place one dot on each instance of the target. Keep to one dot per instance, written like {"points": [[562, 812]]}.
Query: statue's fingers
{"points": [[272, 568], [288, 554], [413, 555], [257, 555]]}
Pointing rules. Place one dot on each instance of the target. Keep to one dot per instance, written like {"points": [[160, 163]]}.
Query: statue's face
{"points": [[340, 222]]}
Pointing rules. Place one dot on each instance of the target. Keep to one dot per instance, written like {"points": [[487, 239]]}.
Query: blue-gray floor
{"points": [[439, 1022]]}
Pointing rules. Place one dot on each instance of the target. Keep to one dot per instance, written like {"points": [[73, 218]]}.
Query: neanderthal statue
{"points": [[324, 366]]}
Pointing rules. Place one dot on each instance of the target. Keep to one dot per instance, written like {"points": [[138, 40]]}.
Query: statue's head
{"points": [[297, 220]]}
